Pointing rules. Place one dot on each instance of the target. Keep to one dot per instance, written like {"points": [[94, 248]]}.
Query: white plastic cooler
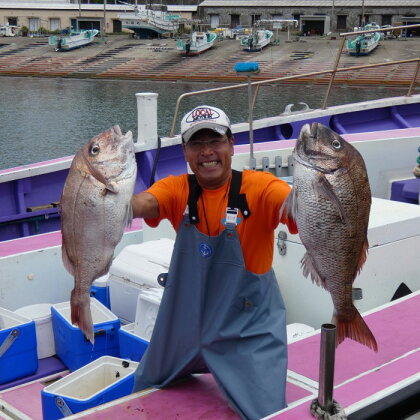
{"points": [[135, 270]]}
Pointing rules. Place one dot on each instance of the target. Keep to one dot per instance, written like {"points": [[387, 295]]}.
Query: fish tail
{"points": [[355, 329], [81, 315]]}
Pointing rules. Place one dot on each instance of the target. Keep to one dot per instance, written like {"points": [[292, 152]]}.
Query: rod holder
{"points": [[326, 367]]}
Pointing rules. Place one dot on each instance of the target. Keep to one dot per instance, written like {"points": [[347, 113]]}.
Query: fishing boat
{"points": [[386, 384], [256, 40], [9, 30], [150, 21], [197, 44], [73, 39], [364, 43]]}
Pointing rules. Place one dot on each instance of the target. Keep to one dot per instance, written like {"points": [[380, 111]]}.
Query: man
{"points": [[221, 310]]}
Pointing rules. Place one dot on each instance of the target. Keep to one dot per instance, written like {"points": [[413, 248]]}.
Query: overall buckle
{"points": [[232, 216]]}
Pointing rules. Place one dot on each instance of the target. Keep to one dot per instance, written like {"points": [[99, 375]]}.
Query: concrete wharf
{"points": [[120, 57]]}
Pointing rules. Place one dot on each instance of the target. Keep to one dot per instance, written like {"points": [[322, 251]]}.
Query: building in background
{"points": [[48, 15], [315, 17]]}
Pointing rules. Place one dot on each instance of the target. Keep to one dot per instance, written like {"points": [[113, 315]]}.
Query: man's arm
{"points": [[145, 205]]}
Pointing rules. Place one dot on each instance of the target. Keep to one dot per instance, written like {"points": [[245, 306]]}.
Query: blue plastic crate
{"points": [[101, 293], [132, 346], [72, 347], [18, 351], [103, 380]]}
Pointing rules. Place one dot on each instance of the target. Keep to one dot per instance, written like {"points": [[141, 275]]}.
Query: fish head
{"points": [[109, 155], [322, 149]]}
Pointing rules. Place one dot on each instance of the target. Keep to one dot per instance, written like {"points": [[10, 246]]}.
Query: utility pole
{"points": [[363, 14], [104, 28]]}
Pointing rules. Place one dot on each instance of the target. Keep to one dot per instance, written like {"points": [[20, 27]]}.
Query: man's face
{"points": [[210, 156]]}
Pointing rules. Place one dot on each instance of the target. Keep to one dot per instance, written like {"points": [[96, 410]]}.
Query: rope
{"points": [[337, 412]]}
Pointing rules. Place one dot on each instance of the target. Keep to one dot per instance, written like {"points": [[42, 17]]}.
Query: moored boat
{"points": [[256, 40], [197, 44], [150, 21], [9, 30], [73, 39], [364, 43]]}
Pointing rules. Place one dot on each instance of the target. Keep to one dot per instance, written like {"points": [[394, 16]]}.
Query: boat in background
{"points": [[197, 43], [73, 39], [150, 21], [9, 30], [364, 44], [374, 26], [257, 40]]}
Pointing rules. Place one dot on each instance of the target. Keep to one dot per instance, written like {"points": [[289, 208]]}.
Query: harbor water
{"points": [[42, 119]]}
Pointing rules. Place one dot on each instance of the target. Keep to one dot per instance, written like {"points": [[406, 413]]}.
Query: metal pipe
{"points": [[334, 71], [413, 81], [326, 367], [250, 120], [380, 30]]}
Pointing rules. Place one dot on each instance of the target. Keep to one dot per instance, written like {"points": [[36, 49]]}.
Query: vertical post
{"points": [[363, 14], [326, 367], [147, 118], [248, 69], [252, 163], [104, 28]]}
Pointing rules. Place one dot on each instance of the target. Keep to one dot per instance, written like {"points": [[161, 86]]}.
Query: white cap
{"points": [[201, 117]]}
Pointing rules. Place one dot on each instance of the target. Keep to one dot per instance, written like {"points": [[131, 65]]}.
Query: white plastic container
{"points": [[41, 314], [100, 381], [147, 308], [137, 268]]}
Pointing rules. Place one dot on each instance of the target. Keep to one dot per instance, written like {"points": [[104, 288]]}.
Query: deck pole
{"points": [[249, 69], [326, 367]]}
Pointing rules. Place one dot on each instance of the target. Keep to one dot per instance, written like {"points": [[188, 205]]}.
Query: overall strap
{"points": [[193, 196], [237, 201]]}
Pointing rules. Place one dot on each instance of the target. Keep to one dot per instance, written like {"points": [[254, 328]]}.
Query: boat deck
{"points": [[362, 378]]}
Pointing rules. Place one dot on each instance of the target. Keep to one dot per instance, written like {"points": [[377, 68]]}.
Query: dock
{"points": [[121, 57]]}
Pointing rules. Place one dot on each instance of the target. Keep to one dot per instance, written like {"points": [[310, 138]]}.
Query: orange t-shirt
{"points": [[265, 194]]}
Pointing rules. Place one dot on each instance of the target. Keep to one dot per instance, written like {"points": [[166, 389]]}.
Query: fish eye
{"points": [[336, 144], [94, 150]]}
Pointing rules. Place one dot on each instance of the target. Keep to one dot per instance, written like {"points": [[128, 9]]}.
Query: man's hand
{"points": [[145, 205]]}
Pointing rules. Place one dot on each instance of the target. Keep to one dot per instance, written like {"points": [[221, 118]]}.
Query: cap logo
{"points": [[199, 114]]}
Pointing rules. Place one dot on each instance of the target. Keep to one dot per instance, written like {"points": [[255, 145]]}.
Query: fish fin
{"points": [[308, 267], [66, 260], [324, 189], [363, 255], [81, 315], [355, 329], [289, 206], [110, 187]]}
